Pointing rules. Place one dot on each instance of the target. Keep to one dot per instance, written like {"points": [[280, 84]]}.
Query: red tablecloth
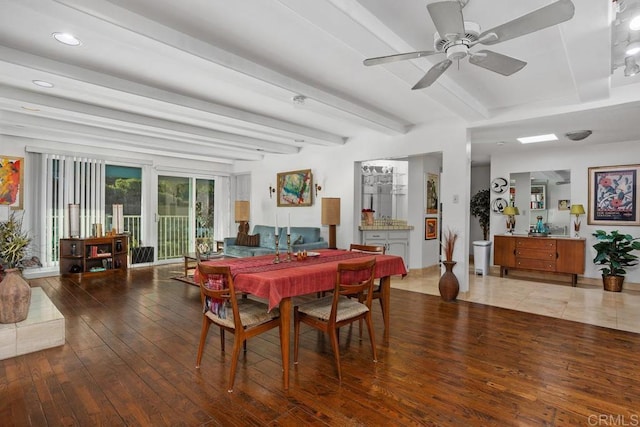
{"points": [[260, 277]]}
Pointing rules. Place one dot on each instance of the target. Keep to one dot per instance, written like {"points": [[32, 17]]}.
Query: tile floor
{"points": [[586, 303]]}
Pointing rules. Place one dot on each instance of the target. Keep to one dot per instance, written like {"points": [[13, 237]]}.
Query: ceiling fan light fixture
{"points": [[538, 138], [633, 48], [578, 135], [631, 68]]}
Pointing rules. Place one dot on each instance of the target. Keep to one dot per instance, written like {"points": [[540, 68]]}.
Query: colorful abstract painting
{"points": [[11, 181], [613, 195], [294, 188]]}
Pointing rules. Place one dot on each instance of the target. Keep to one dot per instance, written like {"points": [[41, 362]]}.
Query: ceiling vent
{"points": [[578, 135]]}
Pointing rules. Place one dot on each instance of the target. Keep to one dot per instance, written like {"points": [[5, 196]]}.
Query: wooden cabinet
{"points": [[94, 255], [540, 254], [396, 242]]}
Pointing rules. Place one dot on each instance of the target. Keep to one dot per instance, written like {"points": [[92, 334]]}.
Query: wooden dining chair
{"points": [[354, 281], [377, 288], [244, 317]]}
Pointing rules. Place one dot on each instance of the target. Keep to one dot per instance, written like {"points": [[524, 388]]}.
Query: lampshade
{"points": [[242, 211], [577, 210], [330, 211], [74, 220], [510, 210]]}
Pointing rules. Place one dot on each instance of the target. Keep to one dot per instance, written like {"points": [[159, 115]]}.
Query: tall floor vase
{"points": [[448, 284], [15, 297]]}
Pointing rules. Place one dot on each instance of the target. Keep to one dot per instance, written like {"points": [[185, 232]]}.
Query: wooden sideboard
{"points": [[94, 255], [547, 254]]}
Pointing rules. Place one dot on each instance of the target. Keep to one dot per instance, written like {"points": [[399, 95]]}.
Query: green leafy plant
{"points": [[481, 208], [13, 242], [614, 252]]}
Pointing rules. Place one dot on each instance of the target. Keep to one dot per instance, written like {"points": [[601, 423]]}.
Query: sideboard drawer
{"points": [[536, 264], [544, 254], [533, 243]]}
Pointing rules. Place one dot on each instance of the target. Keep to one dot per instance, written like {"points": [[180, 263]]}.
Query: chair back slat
{"points": [[354, 279], [370, 249]]}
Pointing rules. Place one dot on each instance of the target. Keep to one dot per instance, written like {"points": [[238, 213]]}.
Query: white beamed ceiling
{"points": [[216, 78]]}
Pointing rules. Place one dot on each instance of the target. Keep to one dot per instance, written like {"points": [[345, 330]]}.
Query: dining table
{"points": [[279, 279]]}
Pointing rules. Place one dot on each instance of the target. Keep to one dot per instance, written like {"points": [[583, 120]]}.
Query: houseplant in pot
{"points": [[481, 208], [614, 253], [448, 284], [15, 292]]}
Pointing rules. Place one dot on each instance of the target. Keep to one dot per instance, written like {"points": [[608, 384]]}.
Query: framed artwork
{"points": [[430, 228], [564, 204], [499, 185], [294, 188], [431, 193], [613, 195], [498, 205], [11, 181]]}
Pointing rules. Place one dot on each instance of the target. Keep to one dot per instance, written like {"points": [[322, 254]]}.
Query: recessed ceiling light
{"points": [[634, 25], [66, 38], [42, 83], [538, 138]]}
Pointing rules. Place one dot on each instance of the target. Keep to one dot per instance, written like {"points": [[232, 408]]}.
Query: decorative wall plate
{"points": [[498, 205], [499, 185]]}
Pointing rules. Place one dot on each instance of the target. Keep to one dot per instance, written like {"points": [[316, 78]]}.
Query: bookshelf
{"points": [[94, 255]]}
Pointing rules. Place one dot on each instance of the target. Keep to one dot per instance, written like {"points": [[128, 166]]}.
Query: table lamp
{"points": [[331, 217], [242, 215], [511, 212], [577, 210]]}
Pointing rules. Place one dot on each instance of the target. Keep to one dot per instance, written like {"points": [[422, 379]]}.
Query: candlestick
{"points": [[276, 260], [288, 247]]}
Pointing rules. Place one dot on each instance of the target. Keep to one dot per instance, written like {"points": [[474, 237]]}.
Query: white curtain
{"points": [[64, 180]]}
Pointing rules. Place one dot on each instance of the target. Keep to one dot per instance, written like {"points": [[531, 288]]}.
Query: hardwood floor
{"points": [[131, 342]]}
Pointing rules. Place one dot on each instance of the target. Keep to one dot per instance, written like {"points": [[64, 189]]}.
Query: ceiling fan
{"points": [[456, 36]]}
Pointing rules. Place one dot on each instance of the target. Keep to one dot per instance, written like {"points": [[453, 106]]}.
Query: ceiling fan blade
{"points": [[447, 17], [398, 57], [547, 16], [496, 62], [433, 74]]}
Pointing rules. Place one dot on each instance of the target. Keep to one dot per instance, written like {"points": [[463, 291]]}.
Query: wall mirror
{"points": [[384, 188], [543, 193]]}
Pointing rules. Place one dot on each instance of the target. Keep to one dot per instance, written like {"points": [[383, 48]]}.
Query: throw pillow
{"points": [[269, 240], [253, 240], [296, 239]]}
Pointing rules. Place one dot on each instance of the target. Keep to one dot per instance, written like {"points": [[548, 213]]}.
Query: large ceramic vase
{"points": [[15, 297], [448, 284], [612, 283]]}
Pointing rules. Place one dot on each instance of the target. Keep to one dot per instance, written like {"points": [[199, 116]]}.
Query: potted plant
{"points": [[15, 292], [613, 252], [448, 284], [481, 208]]}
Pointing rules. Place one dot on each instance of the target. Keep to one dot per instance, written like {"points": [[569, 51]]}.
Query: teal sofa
{"points": [[302, 238]]}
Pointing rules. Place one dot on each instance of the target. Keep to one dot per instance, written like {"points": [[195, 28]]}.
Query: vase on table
{"points": [[368, 218], [15, 297], [448, 284]]}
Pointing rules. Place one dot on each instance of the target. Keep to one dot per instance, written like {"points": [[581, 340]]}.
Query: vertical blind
{"points": [[69, 180]]}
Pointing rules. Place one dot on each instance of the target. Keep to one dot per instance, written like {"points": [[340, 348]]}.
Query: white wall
{"points": [[334, 167], [479, 181], [578, 160]]}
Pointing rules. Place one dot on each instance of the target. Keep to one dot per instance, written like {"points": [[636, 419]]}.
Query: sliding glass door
{"points": [[185, 214]]}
